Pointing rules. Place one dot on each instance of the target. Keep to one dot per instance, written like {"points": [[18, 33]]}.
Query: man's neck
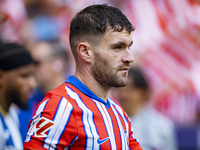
{"points": [[3, 111], [97, 88]]}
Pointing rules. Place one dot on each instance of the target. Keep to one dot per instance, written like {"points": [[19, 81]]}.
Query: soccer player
{"points": [[79, 114], [16, 84]]}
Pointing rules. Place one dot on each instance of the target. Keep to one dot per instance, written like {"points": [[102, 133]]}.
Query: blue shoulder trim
{"points": [[79, 85]]}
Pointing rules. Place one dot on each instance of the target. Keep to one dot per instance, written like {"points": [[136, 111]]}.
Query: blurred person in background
{"points": [[52, 63], [52, 69], [47, 19], [16, 84], [153, 130]]}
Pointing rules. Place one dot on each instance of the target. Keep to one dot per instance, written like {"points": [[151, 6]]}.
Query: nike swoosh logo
{"points": [[102, 141]]}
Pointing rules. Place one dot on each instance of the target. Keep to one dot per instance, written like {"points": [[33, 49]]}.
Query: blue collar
{"points": [[79, 85]]}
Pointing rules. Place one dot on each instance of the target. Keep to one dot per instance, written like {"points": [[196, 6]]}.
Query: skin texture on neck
{"points": [[2, 111], [97, 88], [4, 106]]}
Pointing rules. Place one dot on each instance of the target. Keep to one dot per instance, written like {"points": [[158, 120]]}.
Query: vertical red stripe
{"points": [[116, 128]]}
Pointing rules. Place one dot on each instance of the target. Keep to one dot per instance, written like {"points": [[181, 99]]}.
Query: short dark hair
{"points": [[139, 78], [94, 20]]}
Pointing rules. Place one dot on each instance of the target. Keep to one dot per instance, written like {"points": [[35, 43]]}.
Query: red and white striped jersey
{"points": [[73, 117]]}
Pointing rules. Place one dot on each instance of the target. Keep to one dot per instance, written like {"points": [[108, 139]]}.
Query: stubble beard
{"points": [[107, 75]]}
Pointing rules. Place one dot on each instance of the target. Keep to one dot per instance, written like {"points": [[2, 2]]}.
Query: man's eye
{"points": [[25, 75], [118, 47]]}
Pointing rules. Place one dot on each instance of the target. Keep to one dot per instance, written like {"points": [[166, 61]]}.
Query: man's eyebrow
{"points": [[121, 43]]}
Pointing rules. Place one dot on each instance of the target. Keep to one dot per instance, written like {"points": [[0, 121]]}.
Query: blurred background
{"points": [[166, 47]]}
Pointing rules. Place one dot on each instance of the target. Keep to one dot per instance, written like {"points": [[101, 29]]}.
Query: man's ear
{"points": [[84, 50]]}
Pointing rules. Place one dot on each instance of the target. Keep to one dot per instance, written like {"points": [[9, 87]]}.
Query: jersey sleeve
{"points": [[53, 126]]}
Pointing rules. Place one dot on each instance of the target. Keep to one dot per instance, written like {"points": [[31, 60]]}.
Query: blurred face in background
{"points": [[18, 85], [47, 66], [130, 96]]}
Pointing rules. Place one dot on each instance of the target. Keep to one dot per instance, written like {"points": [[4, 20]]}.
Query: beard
{"points": [[105, 74], [13, 96]]}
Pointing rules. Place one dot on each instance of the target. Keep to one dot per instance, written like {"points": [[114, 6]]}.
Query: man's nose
{"points": [[128, 57]]}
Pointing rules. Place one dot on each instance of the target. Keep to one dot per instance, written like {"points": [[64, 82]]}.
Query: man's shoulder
{"points": [[59, 91], [58, 94]]}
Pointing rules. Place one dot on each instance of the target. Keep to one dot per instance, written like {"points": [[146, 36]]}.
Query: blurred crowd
{"points": [[166, 47]]}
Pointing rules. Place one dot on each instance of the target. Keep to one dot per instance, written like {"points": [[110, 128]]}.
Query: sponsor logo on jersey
{"points": [[42, 126]]}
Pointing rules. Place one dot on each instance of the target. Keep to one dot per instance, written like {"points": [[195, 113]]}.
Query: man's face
{"points": [[19, 84], [112, 58], [44, 70], [130, 96]]}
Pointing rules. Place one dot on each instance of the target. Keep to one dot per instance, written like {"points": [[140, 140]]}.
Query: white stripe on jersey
{"points": [[108, 123], [11, 131], [88, 122], [60, 119], [122, 133], [2, 140], [36, 117], [119, 109], [41, 107]]}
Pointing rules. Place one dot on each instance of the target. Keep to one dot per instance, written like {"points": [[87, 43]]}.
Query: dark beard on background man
{"points": [[14, 97]]}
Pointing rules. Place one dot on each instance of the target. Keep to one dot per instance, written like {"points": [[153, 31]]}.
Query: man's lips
{"points": [[124, 69]]}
